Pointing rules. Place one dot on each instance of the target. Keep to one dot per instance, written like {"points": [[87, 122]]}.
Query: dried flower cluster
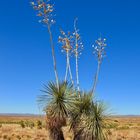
{"points": [[67, 41], [78, 43], [44, 11], [99, 49], [67, 46]]}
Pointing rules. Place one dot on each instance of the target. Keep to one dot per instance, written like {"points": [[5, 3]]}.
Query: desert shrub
{"points": [[9, 122], [116, 121], [28, 136], [26, 123], [112, 125], [39, 124], [109, 133], [22, 124], [5, 136], [130, 124], [138, 124], [31, 124], [123, 128], [18, 137], [9, 138]]}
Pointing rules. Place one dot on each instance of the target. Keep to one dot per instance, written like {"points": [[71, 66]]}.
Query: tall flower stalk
{"points": [[99, 52], [44, 11], [77, 52], [67, 41]]}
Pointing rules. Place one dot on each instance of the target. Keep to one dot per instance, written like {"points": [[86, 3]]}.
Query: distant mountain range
{"points": [[126, 115], [19, 114], [28, 114]]}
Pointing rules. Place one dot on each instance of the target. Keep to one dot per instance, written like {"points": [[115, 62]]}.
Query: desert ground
{"points": [[12, 128]]}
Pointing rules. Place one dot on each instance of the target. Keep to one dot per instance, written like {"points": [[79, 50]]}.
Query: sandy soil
{"points": [[122, 128]]}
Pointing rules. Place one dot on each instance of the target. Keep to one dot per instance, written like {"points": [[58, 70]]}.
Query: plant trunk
{"points": [[77, 73], [76, 55], [71, 75], [53, 56], [96, 78], [54, 126], [67, 65], [78, 135], [70, 70], [56, 134]]}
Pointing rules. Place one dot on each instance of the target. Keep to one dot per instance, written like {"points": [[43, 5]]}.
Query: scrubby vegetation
{"points": [[15, 131], [0, 125], [22, 124], [39, 124]]}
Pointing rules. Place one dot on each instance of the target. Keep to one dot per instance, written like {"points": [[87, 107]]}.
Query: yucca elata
{"points": [[88, 122], [82, 104], [95, 122], [60, 102], [57, 105]]}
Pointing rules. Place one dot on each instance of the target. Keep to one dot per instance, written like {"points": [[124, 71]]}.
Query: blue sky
{"points": [[25, 54]]}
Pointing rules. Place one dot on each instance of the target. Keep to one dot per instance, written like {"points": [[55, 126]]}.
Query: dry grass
{"points": [[122, 128], [125, 128]]}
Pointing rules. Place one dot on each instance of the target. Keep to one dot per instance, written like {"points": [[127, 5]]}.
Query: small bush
{"points": [[27, 123], [31, 124], [22, 124], [39, 124], [0, 125], [138, 124], [109, 133], [9, 138], [130, 124], [112, 126], [18, 137], [123, 128], [28, 136], [5, 136], [116, 121]]}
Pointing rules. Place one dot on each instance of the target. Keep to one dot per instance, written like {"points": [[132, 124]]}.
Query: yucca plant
{"points": [[57, 105], [60, 101], [89, 119], [94, 123], [82, 104]]}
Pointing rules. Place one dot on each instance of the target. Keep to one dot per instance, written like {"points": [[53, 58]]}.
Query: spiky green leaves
{"points": [[58, 103], [82, 104], [94, 122], [88, 121]]}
